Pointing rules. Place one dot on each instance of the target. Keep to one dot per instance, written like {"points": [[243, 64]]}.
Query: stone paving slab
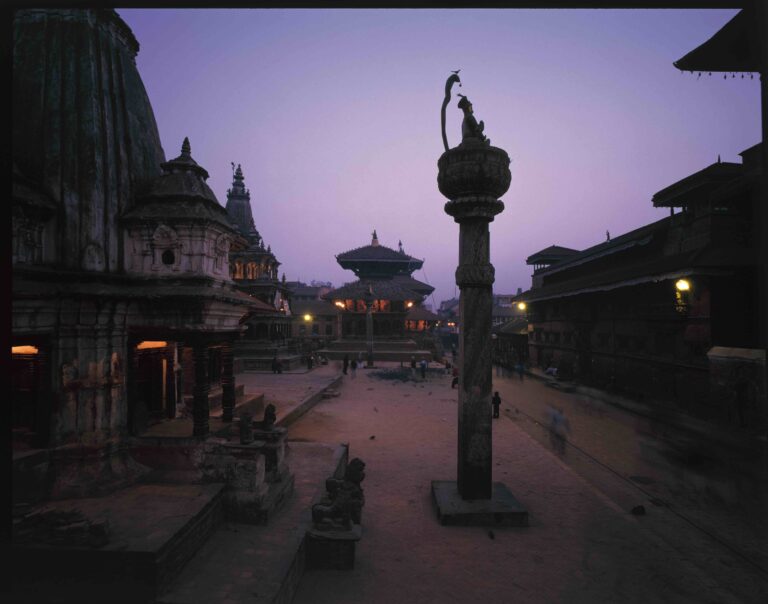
{"points": [[580, 546]]}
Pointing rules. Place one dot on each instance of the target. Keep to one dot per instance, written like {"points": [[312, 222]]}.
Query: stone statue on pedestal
{"points": [[343, 504]]}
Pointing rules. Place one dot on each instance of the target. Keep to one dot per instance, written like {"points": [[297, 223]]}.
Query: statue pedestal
{"points": [[332, 549], [502, 509]]}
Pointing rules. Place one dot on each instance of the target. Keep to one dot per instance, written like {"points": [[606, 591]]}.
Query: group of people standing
{"points": [[353, 365]]}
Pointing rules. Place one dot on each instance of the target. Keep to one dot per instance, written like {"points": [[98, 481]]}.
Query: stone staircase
{"points": [[383, 350]]}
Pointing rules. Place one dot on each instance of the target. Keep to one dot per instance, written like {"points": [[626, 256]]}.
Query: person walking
{"points": [[496, 402], [455, 381], [520, 371], [559, 429], [274, 364], [345, 365], [413, 365], [353, 366], [423, 365]]}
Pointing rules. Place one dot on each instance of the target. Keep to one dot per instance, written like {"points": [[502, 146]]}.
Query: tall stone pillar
{"points": [[227, 382], [474, 276], [473, 176], [200, 410]]}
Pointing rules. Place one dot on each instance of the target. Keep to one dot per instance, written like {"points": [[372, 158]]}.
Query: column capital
{"points": [[475, 275], [474, 206]]}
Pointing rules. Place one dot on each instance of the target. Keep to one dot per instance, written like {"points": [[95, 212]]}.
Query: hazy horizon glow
{"points": [[335, 118]]}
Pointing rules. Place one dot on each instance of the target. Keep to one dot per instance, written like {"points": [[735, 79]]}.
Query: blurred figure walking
{"points": [[559, 429]]}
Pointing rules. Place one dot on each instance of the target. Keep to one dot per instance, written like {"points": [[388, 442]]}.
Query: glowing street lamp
{"points": [[521, 306], [307, 317], [409, 304], [683, 285]]}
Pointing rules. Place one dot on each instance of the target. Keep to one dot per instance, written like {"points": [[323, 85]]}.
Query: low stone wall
{"points": [[307, 403]]}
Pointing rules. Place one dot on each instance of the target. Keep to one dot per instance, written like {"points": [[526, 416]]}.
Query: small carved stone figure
{"points": [[246, 429], [470, 128], [344, 501], [270, 417]]}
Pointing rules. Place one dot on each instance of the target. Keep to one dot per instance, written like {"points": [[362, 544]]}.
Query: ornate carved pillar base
{"points": [[200, 409], [227, 382]]}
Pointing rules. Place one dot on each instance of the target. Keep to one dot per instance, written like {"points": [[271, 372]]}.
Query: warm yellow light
{"points": [[409, 304], [307, 317], [451, 324], [340, 304], [522, 306], [683, 285], [151, 344], [23, 350]]}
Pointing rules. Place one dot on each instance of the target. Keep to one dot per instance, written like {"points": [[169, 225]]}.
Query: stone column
{"points": [[473, 176], [227, 382], [200, 390], [474, 276], [369, 299]]}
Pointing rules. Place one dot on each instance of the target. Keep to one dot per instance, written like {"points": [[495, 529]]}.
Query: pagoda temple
{"points": [[384, 277]]}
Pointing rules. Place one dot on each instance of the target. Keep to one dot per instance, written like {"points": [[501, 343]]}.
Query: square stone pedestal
{"points": [[502, 509], [332, 550]]}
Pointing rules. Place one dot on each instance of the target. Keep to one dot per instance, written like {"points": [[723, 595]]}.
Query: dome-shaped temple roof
{"points": [[180, 193]]}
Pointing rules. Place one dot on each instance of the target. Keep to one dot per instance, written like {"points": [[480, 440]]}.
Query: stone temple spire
{"points": [[238, 186], [239, 204], [375, 239]]}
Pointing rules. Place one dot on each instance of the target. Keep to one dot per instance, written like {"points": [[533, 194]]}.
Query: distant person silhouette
{"points": [[496, 402], [345, 365], [353, 366]]}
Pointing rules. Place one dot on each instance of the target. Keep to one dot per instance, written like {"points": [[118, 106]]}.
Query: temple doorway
{"points": [[152, 389], [29, 385]]}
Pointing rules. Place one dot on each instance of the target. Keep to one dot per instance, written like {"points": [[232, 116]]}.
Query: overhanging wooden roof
{"points": [[735, 47]]}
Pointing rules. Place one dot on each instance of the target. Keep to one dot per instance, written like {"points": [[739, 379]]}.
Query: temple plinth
{"points": [[473, 176]]}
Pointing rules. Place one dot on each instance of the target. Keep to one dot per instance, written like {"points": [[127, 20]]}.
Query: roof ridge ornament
{"points": [[186, 149], [375, 239]]}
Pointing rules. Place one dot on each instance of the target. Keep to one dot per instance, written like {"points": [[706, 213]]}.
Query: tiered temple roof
{"points": [[378, 261]]}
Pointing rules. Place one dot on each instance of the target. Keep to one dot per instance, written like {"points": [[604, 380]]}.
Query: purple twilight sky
{"points": [[335, 118]]}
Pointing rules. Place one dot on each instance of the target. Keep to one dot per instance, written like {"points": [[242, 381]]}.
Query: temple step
{"points": [[379, 354], [264, 363], [250, 403], [215, 396]]}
